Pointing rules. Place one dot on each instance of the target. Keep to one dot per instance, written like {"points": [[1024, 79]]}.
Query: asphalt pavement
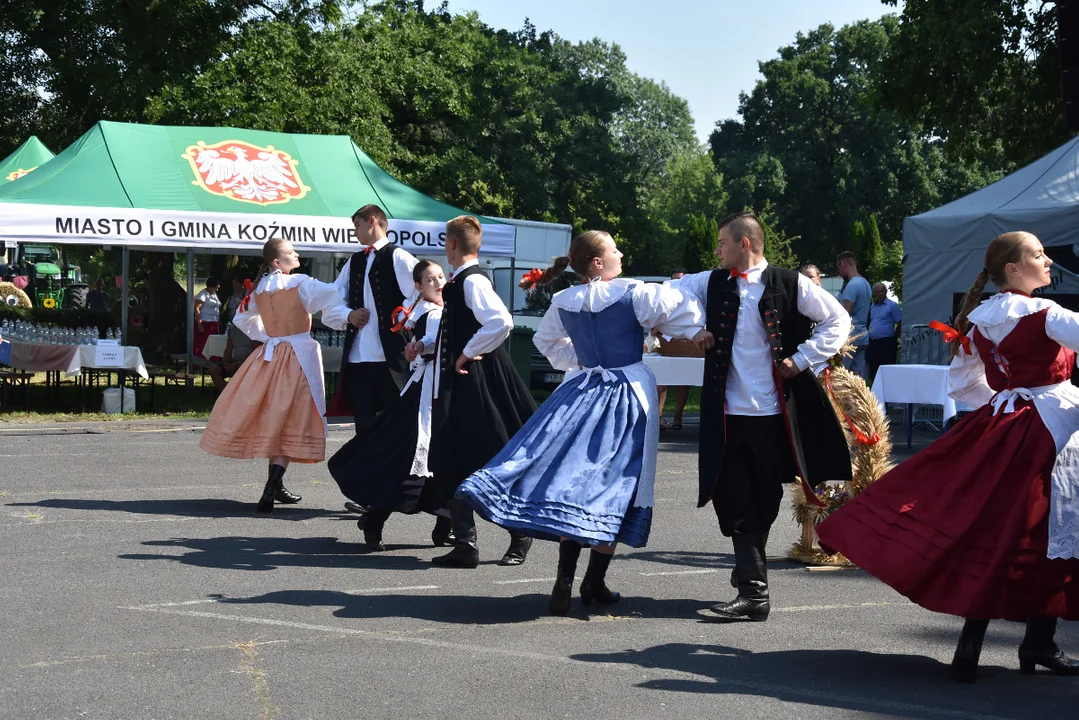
{"points": [[139, 583]]}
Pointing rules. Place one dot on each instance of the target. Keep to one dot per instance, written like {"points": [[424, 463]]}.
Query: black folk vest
{"points": [[388, 297], [458, 324], [819, 446]]}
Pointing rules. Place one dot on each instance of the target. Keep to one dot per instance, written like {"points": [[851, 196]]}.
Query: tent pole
{"points": [[125, 279], [190, 309], [513, 289]]}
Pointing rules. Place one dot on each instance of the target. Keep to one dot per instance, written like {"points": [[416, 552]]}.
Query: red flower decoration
{"points": [[532, 277]]}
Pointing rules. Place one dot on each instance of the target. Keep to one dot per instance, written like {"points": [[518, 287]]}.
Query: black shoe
{"points": [[443, 532], [964, 666], [743, 609], [1055, 662], [1038, 648], [517, 552], [372, 537], [285, 497], [598, 592], [355, 508], [459, 557], [568, 553], [593, 587], [274, 482]]}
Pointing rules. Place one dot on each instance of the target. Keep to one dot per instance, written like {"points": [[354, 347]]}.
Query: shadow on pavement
{"points": [[263, 553], [892, 684], [183, 507]]}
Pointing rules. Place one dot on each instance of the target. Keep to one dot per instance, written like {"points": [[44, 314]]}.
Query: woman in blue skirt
{"points": [[582, 469]]}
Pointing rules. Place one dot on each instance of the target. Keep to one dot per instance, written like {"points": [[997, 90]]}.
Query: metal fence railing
{"points": [[923, 346]]}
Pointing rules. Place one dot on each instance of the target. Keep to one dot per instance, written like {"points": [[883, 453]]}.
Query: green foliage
{"points": [[857, 240], [700, 237], [685, 210], [984, 75], [778, 246], [813, 141], [872, 257]]}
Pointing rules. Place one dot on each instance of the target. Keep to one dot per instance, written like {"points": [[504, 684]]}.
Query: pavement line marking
{"points": [[788, 692], [520, 582], [680, 572], [365, 591], [803, 608]]}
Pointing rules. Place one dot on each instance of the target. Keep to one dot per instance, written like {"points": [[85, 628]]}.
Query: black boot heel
{"points": [[273, 484], [964, 666], [568, 553], [443, 532], [593, 587], [1039, 648]]}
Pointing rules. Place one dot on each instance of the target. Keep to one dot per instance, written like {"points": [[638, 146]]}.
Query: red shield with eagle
{"points": [[245, 172]]}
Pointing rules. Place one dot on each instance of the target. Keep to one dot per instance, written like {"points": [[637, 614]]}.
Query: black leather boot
{"points": [[568, 553], [752, 572], [518, 549], [465, 553], [286, 497], [1038, 648], [592, 587], [965, 661], [443, 532], [273, 483], [372, 525], [734, 570]]}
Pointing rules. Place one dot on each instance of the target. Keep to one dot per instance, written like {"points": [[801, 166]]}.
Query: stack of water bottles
{"points": [[329, 338], [48, 334]]}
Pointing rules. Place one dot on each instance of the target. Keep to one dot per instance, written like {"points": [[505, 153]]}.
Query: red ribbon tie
{"points": [[951, 334]]}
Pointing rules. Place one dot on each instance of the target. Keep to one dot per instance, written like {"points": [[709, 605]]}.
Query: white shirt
{"points": [[367, 347], [490, 311], [751, 386], [211, 306]]}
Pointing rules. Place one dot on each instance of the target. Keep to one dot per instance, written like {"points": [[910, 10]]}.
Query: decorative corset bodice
{"points": [[1027, 357], [610, 338], [283, 313]]}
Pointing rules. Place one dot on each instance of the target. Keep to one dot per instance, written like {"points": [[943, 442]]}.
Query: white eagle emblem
{"points": [[246, 172]]}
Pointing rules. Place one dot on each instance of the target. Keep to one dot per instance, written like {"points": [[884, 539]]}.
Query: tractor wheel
{"points": [[75, 295]]}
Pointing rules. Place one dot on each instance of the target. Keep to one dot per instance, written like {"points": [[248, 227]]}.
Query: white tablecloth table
{"points": [[914, 384], [675, 371], [70, 358]]}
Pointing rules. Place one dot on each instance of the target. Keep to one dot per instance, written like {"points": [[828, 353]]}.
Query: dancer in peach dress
{"points": [[273, 407]]}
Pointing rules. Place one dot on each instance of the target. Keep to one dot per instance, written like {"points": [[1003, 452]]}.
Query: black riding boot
{"points": [[518, 549], [285, 496], [372, 524], [1038, 648], [965, 660], [465, 553], [568, 553], [593, 587], [273, 483], [752, 572]]}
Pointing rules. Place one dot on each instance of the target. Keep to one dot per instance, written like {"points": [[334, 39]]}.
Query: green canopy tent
{"points": [[26, 158], [172, 188]]}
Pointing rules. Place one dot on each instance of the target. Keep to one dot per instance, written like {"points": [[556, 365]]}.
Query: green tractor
{"points": [[52, 282]]}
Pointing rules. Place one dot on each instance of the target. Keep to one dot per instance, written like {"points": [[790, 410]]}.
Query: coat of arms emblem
{"points": [[15, 175], [246, 172]]}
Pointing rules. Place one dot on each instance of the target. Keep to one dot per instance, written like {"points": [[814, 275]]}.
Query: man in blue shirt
{"points": [[855, 298], [885, 325]]}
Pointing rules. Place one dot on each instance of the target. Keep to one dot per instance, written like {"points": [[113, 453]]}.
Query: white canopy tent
{"points": [[945, 248]]}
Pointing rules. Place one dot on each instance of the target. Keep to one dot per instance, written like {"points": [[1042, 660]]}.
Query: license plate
{"points": [[553, 377]]}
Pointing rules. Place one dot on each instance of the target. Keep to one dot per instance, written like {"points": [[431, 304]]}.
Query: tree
{"points": [[778, 247], [685, 211], [812, 141], [873, 252], [983, 75], [700, 235]]}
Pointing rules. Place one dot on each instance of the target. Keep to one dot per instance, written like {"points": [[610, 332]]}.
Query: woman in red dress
{"points": [[984, 523]]}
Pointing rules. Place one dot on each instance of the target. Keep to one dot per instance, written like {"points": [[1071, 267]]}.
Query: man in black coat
{"points": [[765, 418]]}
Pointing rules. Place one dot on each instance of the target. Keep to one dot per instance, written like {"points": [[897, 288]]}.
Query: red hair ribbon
{"points": [[859, 436], [532, 277], [951, 335], [249, 287]]}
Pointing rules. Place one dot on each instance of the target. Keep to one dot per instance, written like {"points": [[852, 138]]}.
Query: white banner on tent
{"points": [[136, 227]]}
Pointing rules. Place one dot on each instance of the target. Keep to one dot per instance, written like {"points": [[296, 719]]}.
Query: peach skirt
{"points": [[267, 410]]}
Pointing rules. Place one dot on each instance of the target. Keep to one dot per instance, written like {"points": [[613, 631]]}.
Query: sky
{"points": [[683, 42]]}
